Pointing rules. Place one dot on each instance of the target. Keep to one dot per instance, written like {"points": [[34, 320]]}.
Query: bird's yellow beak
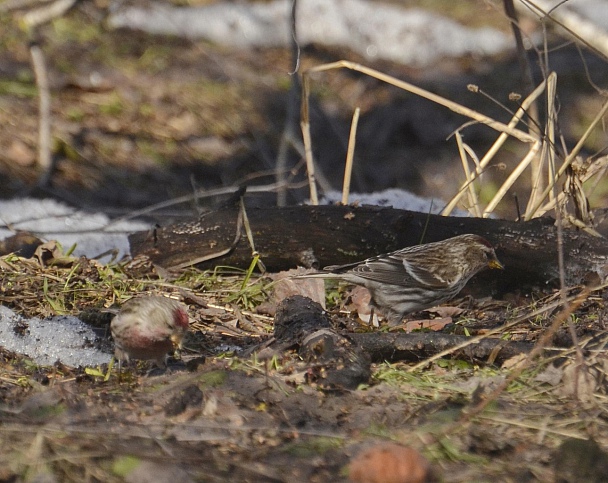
{"points": [[177, 340], [495, 264]]}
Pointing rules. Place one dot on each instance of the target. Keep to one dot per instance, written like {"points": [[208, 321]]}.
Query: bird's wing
{"points": [[424, 276], [396, 270]]}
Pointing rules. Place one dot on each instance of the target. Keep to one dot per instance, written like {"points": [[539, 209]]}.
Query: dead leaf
{"points": [[579, 382], [21, 154], [445, 311], [286, 286], [389, 463], [551, 375], [430, 324]]}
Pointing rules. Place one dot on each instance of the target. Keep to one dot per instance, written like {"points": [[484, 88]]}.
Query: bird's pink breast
{"points": [[146, 344]]}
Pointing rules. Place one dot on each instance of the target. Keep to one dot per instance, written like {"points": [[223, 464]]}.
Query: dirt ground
{"points": [[139, 119], [221, 415]]}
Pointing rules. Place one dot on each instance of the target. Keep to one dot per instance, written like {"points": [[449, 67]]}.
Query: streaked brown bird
{"points": [[149, 328], [418, 277]]}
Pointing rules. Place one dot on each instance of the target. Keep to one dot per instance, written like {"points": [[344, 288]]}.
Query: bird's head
{"points": [[478, 253], [181, 322]]}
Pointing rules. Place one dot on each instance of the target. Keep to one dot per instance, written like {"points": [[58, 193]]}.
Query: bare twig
{"points": [[504, 129], [542, 342], [575, 302], [350, 154], [289, 132], [473, 200], [202, 193], [44, 121], [537, 210], [47, 13], [305, 124], [9, 5]]}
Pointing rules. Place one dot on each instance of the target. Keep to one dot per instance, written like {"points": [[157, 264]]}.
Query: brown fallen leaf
{"points": [[430, 324], [286, 286], [360, 299], [579, 382], [445, 311], [389, 463]]}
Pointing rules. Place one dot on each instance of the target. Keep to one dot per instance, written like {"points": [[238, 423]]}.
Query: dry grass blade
{"points": [[548, 144], [305, 125], [350, 154], [44, 125], [473, 199], [453, 106], [505, 129], [537, 210], [502, 138], [474, 340], [538, 348]]}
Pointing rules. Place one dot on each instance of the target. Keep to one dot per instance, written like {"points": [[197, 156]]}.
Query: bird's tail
{"points": [[317, 275]]}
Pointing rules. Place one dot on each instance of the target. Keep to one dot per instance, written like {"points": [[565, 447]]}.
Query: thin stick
{"points": [[501, 329], [502, 191], [305, 125], [350, 154], [485, 160], [550, 134], [44, 125], [473, 201], [568, 161], [453, 106], [544, 340], [201, 193], [47, 13], [551, 119], [291, 114]]}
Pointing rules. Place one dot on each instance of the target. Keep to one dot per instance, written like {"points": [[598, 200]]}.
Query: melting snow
{"points": [[62, 338]]}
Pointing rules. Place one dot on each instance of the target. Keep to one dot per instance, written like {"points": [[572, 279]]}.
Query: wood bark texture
{"points": [[317, 236]]}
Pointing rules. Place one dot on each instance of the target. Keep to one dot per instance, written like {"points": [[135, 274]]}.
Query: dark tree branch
{"points": [[325, 235]]}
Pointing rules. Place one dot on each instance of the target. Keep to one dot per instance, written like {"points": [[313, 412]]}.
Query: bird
{"points": [[417, 277], [148, 328]]}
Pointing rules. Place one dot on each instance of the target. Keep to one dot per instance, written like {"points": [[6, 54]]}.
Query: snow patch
{"points": [[62, 338], [375, 30]]}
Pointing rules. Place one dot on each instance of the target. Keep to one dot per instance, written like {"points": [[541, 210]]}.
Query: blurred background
{"points": [[154, 100]]}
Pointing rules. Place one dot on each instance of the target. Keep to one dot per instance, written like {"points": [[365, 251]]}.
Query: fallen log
{"points": [[342, 361], [416, 347], [316, 236], [332, 361]]}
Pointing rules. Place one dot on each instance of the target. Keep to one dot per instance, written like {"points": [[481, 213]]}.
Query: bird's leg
{"points": [[119, 370], [106, 377], [373, 318]]}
